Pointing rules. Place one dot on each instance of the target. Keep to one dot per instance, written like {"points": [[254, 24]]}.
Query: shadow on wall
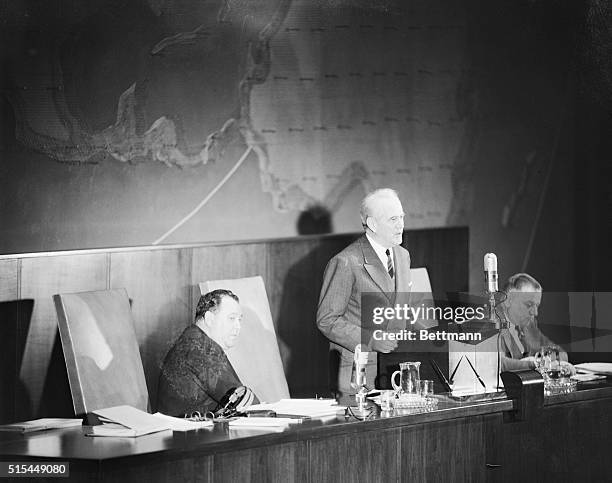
{"points": [[307, 371], [56, 399], [15, 317], [316, 220], [160, 338]]}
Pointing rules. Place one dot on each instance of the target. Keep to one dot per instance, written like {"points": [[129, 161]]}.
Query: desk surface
{"points": [[459, 441], [72, 444]]}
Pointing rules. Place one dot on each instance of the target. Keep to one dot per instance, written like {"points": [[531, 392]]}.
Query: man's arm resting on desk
{"points": [[509, 364]]}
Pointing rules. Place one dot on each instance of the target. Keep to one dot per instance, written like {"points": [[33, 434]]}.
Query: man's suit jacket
{"points": [[533, 340], [352, 272]]}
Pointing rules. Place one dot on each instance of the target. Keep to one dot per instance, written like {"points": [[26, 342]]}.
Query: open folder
{"points": [[129, 422]]}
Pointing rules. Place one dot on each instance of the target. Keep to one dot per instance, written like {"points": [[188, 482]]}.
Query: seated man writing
{"points": [[523, 340], [196, 372]]}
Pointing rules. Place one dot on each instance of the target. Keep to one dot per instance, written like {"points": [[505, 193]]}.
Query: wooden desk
{"points": [[568, 440]]}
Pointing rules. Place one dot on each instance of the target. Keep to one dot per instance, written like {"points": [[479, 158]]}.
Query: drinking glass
{"points": [[386, 400], [548, 362], [426, 388]]}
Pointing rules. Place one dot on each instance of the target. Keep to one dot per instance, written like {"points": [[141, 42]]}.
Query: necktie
{"points": [[389, 263], [521, 338]]}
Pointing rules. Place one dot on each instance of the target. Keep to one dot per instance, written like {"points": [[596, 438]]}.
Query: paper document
{"points": [[182, 424], [587, 377], [126, 422], [41, 425], [309, 408], [596, 367], [262, 422]]}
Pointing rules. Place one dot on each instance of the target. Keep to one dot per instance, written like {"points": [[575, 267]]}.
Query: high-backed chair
{"points": [[101, 351], [255, 357], [421, 294]]}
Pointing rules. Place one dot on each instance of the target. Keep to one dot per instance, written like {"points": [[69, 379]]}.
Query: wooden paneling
{"points": [[196, 469], [566, 442], [162, 285], [9, 273], [450, 451], [364, 456], [277, 463], [229, 261], [157, 283], [43, 371]]}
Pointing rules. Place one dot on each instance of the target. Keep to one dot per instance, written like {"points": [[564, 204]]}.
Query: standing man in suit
{"points": [[375, 264]]}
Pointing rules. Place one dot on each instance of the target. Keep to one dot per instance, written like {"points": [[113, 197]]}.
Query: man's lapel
{"points": [[377, 272]]}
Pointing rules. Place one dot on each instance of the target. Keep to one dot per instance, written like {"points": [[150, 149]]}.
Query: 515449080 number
{"points": [[33, 469]]}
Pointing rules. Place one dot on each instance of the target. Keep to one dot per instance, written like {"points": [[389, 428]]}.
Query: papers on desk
{"points": [[41, 425], [262, 422], [126, 422], [182, 424], [301, 408], [587, 377], [595, 368]]}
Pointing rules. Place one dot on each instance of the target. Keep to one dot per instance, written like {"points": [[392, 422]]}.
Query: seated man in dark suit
{"points": [[523, 340], [196, 372]]}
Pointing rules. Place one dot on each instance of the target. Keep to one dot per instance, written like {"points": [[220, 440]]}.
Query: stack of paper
{"points": [[595, 368], [41, 425], [587, 377], [303, 408], [181, 424], [126, 422], [262, 422]]}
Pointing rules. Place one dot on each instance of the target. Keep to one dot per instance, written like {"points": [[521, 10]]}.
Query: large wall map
{"points": [[326, 98], [369, 96]]}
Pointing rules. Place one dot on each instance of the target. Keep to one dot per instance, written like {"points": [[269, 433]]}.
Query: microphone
{"points": [[358, 371], [358, 380], [492, 287], [490, 273]]}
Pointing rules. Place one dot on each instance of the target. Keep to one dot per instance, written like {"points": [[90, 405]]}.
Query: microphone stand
{"points": [[358, 379], [501, 324]]}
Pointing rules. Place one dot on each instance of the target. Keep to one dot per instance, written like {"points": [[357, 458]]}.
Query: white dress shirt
{"points": [[381, 252]]}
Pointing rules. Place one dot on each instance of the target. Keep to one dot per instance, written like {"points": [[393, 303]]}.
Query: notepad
{"points": [[41, 425]]}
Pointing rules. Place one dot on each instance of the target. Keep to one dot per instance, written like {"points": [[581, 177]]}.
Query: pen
{"points": [[477, 376], [440, 375], [452, 377]]}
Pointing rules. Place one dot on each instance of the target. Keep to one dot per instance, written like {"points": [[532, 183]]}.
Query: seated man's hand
{"points": [[531, 360], [384, 346], [567, 369]]}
